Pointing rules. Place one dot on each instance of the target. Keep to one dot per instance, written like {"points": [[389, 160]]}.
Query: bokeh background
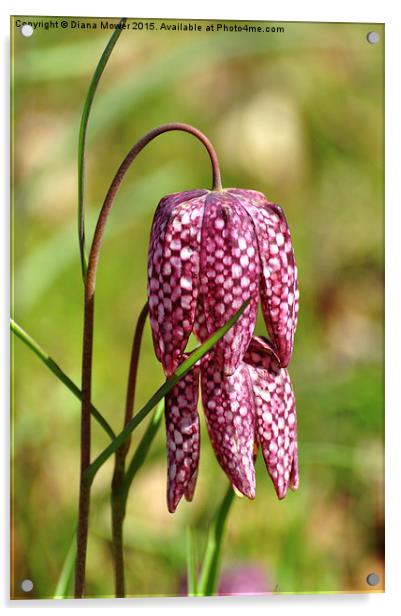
{"points": [[297, 115]]}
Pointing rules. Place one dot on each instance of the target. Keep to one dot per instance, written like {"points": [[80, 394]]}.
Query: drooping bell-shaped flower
{"points": [[210, 251], [252, 408]]}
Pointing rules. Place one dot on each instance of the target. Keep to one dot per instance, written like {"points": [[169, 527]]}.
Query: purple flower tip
{"points": [[182, 432]]}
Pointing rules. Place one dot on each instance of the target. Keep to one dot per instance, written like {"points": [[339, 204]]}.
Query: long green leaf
{"points": [[211, 563], [82, 137], [60, 374], [182, 369]]}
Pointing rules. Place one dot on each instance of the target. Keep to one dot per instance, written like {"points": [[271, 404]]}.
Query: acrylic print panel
{"points": [[283, 113]]}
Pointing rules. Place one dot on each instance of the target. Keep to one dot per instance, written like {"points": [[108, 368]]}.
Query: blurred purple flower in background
{"points": [[209, 252], [243, 578]]}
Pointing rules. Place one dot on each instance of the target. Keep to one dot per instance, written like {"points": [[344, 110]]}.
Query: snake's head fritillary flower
{"points": [[210, 251]]}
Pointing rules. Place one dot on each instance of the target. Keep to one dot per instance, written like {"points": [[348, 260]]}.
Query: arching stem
{"points": [[90, 280], [90, 283]]}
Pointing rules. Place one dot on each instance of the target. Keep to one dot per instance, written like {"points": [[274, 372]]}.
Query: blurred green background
{"points": [[297, 115]]}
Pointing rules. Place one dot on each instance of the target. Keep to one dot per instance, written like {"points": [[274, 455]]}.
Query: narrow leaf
{"points": [[182, 369], [82, 137], [55, 368]]}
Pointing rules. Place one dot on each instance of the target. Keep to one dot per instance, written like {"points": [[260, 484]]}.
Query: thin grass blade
{"points": [[64, 581], [82, 137], [58, 372]]}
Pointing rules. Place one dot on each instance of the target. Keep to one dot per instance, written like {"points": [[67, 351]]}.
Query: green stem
{"points": [[82, 138], [59, 373], [117, 528], [211, 563], [136, 464], [87, 346]]}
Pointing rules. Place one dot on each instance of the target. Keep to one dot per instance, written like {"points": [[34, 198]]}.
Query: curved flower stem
{"points": [[82, 137], [211, 563], [87, 350], [117, 498], [90, 280]]}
